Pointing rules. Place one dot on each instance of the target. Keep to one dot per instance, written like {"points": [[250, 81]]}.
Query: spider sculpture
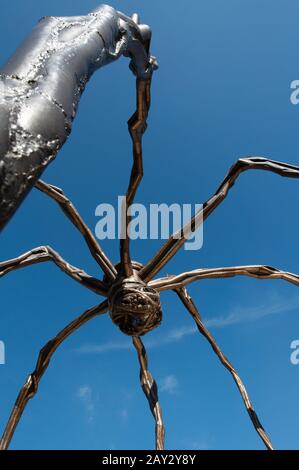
{"points": [[132, 296]]}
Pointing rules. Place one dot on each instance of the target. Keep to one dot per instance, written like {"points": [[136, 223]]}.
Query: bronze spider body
{"points": [[132, 295], [134, 306]]}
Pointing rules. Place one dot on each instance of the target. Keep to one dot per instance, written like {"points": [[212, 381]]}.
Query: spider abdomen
{"points": [[135, 307]]}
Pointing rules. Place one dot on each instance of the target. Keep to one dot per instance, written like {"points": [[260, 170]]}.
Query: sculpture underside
{"points": [[51, 80]]}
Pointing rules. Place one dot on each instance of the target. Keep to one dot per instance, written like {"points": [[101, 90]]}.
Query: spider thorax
{"points": [[134, 307]]}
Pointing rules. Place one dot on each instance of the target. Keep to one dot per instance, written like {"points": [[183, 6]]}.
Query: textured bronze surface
{"points": [[132, 295], [177, 240], [137, 126], [46, 253], [191, 307], [135, 307], [30, 387], [72, 214], [257, 271], [150, 390]]}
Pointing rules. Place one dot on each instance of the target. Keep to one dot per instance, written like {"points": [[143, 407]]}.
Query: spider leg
{"points": [[46, 253], [191, 307], [150, 390], [30, 387], [137, 126], [176, 240], [73, 215], [257, 271]]}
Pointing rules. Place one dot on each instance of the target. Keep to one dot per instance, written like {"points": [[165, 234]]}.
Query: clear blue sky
{"points": [[222, 91]]}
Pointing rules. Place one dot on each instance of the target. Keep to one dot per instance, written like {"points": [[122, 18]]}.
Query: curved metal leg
{"points": [[30, 387], [191, 307], [150, 390], [256, 271], [73, 215], [177, 240], [46, 253]]}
